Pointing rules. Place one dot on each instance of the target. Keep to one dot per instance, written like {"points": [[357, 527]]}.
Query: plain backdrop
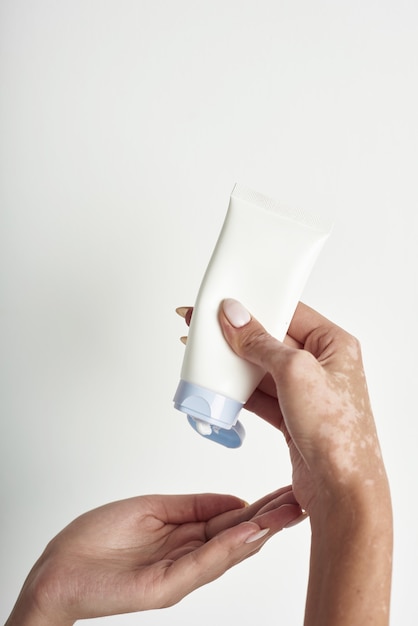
{"points": [[124, 125]]}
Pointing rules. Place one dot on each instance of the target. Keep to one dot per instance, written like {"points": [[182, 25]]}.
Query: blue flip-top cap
{"points": [[211, 414]]}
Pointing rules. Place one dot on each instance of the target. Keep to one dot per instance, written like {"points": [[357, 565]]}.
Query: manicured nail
{"points": [[183, 340], [297, 520], [182, 310], [257, 535], [236, 313]]}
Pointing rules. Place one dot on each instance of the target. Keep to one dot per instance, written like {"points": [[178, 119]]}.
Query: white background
{"points": [[124, 126]]}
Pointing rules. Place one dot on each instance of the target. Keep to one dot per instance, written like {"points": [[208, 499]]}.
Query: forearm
{"points": [[351, 565]]}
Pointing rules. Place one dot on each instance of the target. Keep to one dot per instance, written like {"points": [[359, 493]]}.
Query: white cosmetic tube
{"points": [[263, 257]]}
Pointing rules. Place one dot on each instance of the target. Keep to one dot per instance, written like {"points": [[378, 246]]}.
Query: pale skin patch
{"points": [[349, 449], [353, 350], [343, 453], [347, 418]]}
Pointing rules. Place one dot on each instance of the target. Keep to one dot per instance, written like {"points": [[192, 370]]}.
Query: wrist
{"points": [[351, 558], [26, 615], [353, 511], [27, 610], [352, 497]]}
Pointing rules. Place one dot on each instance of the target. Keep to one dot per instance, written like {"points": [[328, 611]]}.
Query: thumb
{"points": [[248, 338]]}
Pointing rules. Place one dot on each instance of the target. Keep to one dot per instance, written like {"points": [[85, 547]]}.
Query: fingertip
{"points": [[235, 312], [244, 533], [257, 535], [185, 312], [182, 311], [284, 516], [244, 333], [297, 520]]}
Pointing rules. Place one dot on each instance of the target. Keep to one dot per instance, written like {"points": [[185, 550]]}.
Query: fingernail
{"points": [[236, 313], [183, 340], [257, 535], [182, 310], [297, 520]]}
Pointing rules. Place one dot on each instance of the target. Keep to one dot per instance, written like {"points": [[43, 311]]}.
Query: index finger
{"points": [[181, 509], [305, 320]]}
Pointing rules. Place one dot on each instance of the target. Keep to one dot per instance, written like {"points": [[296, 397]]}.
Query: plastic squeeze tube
{"points": [[263, 257]]}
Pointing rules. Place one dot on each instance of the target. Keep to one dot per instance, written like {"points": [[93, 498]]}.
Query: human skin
{"points": [[315, 392], [145, 553], [149, 552]]}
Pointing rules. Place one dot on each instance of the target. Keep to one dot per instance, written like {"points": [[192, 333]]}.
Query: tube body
{"points": [[263, 257]]}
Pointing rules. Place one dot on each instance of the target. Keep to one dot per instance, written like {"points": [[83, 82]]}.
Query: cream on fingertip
{"points": [[236, 313]]}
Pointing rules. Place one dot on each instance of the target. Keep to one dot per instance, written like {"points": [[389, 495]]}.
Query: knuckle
{"points": [[349, 344], [296, 363], [254, 340]]}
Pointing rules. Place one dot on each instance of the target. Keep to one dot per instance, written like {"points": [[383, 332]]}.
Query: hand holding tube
{"points": [[323, 407], [315, 392]]}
